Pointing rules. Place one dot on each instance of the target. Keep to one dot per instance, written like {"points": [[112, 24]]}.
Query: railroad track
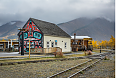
{"points": [[73, 71], [100, 56], [68, 73]]}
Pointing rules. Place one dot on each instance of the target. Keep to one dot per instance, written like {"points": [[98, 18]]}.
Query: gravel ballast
{"points": [[103, 69], [37, 70]]}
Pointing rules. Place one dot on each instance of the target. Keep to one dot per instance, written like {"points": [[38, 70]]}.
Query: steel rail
{"points": [[69, 69], [85, 68], [102, 57]]}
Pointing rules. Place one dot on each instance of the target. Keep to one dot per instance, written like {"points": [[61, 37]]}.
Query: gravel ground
{"points": [[103, 69], [37, 70]]}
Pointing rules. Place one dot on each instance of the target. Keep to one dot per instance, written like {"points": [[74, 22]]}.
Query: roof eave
{"points": [[56, 36]]}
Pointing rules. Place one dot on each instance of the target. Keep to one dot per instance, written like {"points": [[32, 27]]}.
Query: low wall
{"points": [[45, 50]]}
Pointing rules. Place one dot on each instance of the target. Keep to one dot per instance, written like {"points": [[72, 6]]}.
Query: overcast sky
{"points": [[55, 11]]}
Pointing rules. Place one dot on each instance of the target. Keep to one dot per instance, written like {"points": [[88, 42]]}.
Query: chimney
{"points": [[74, 37]]}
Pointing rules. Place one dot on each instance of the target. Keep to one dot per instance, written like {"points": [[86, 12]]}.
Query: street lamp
{"points": [[22, 45]]}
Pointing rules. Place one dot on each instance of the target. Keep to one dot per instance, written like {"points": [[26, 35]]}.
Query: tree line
{"points": [[104, 44]]}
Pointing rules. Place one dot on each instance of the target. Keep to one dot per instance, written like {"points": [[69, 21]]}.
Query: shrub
{"points": [[81, 72], [5, 64], [106, 58], [88, 52], [15, 63], [58, 54], [85, 53]]}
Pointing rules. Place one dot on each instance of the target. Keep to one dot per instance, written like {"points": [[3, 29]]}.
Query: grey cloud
{"points": [[55, 11]]}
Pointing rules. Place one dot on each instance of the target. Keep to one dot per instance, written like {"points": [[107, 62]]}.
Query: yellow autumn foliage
{"points": [[104, 43], [94, 43]]}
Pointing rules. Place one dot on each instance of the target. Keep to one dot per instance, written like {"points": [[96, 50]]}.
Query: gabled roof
{"points": [[49, 28]]}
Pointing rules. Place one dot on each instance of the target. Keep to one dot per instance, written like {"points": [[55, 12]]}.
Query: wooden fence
{"points": [[45, 50]]}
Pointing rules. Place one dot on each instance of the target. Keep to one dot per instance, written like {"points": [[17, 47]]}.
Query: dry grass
{"points": [[103, 69], [44, 58], [75, 55], [37, 70], [98, 51], [26, 59]]}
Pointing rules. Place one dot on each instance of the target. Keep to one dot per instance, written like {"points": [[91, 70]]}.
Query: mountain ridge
{"points": [[97, 28], [10, 29]]}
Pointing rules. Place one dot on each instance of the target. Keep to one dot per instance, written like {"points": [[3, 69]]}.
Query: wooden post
{"points": [[45, 50], [4, 45], [48, 50], [29, 48]]}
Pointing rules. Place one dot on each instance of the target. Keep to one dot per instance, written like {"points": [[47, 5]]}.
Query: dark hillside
{"points": [[98, 29]]}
